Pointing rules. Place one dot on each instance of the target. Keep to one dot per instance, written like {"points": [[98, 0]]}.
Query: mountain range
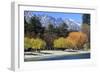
{"points": [[56, 22]]}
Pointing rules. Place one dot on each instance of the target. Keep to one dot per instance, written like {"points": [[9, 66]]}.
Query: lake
{"points": [[62, 57]]}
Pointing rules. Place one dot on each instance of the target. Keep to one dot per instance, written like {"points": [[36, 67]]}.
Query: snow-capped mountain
{"points": [[56, 22], [72, 25], [46, 20]]}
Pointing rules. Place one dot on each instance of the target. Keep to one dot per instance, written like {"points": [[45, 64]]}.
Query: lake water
{"points": [[68, 57], [63, 57]]}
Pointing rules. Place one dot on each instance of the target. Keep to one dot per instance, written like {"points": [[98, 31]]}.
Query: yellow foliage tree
{"points": [[59, 43], [27, 43], [34, 43], [38, 43]]}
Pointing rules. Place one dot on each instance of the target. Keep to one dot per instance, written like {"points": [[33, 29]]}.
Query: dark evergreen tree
{"points": [[63, 30], [34, 26], [86, 19]]}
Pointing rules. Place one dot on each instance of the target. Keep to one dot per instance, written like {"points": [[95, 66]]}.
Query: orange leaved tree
{"points": [[76, 40]]}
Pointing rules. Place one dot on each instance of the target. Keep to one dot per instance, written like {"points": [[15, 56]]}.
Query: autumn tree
{"points": [[60, 43], [77, 39], [38, 44], [27, 43], [71, 44]]}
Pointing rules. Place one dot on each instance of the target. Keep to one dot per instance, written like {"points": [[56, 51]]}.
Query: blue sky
{"points": [[75, 16]]}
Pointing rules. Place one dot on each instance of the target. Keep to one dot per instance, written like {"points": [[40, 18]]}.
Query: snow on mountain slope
{"points": [[56, 22]]}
